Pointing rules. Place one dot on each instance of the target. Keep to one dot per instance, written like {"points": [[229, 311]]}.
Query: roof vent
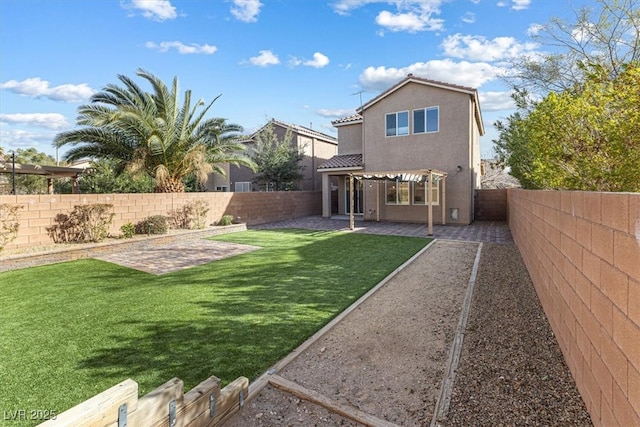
{"points": [[410, 75]]}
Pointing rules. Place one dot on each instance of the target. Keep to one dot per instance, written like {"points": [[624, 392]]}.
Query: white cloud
{"points": [[479, 48], [324, 112], [515, 4], [182, 48], [409, 15], [411, 22], [496, 101], [469, 18], [319, 60], [265, 59], [45, 120], [470, 74], [37, 88], [534, 29], [246, 10], [157, 10], [520, 4]]}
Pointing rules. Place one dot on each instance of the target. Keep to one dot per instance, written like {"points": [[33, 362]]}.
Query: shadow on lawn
{"points": [[256, 309]]}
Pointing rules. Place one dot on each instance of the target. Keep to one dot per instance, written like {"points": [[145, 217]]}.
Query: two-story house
{"points": [[317, 148], [411, 154]]}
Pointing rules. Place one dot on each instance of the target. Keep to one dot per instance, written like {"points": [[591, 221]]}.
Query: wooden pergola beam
{"points": [[384, 175]]}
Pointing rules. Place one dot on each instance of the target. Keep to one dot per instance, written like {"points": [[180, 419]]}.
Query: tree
{"points": [[102, 178], [606, 36], [277, 161], [582, 139], [152, 132]]}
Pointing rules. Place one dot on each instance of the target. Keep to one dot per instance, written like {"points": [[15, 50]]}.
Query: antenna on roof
{"points": [[360, 92]]}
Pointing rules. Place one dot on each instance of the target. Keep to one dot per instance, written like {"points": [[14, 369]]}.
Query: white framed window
{"points": [[242, 187], [426, 120], [397, 192], [420, 193], [397, 124]]}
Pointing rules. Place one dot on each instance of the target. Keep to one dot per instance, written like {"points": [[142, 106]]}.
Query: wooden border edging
{"points": [[312, 396], [192, 409], [442, 404], [263, 380]]}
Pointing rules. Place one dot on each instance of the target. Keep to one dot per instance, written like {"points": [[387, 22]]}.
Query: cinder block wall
{"points": [[39, 211], [582, 250]]}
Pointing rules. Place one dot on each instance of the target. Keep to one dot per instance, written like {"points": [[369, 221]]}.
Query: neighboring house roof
{"points": [[413, 79], [343, 162], [356, 118], [301, 130]]}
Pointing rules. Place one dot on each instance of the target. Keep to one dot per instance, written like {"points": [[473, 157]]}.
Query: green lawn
{"points": [[74, 329]]}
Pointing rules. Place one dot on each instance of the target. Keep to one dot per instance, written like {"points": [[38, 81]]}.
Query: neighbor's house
{"points": [[418, 135], [316, 146]]}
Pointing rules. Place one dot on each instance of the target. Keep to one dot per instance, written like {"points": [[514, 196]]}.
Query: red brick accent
{"points": [[582, 250]]}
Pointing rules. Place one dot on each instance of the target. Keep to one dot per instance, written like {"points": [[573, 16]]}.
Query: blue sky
{"points": [[300, 61]]}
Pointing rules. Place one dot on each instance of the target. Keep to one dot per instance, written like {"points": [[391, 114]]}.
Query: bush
{"points": [[9, 223], [192, 215], [226, 220], [86, 223], [157, 224], [128, 230]]}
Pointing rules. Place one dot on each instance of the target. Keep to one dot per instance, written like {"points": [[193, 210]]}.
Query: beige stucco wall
{"points": [[444, 150], [582, 250], [350, 139]]}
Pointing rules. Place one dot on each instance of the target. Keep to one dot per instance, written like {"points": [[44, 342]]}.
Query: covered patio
{"points": [[431, 179]]}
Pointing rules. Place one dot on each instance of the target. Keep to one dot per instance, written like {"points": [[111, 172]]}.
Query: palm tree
{"points": [[152, 132]]}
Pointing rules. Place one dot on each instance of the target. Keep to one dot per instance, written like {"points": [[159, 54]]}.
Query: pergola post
{"points": [[351, 218], [430, 203], [443, 199], [49, 185], [377, 200]]}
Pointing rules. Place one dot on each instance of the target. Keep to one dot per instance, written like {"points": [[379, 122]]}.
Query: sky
{"points": [[305, 62]]}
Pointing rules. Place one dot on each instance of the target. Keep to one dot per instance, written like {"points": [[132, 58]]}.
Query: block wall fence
{"points": [[582, 250], [38, 211]]}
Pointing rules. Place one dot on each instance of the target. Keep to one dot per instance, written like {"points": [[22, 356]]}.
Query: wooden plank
{"points": [[196, 409], [153, 408], [330, 404], [101, 409], [229, 403]]}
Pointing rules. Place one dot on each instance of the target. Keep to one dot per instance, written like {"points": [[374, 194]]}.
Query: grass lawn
{"points": [[71, 330]]}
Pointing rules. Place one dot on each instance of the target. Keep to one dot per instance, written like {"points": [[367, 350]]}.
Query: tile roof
{"points": [[343, 161], [344, 120]]}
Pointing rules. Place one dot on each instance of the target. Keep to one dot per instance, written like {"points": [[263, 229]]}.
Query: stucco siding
{"points": [[350, 137]]}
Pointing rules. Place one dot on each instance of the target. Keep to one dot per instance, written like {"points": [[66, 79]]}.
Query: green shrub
{"points": [[156, 224], [86, 223], [9, 223], [226, 220], [128, 230], [192, 215]]}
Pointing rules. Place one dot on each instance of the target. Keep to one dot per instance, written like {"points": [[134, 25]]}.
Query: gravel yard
{"points": [[388, 357]]}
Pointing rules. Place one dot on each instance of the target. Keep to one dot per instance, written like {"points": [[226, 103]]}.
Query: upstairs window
{"points": [[397, 124], [426, 120]]}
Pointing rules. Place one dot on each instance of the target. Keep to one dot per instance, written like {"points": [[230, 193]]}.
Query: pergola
{"points": [[428, 175], [49, 172]]}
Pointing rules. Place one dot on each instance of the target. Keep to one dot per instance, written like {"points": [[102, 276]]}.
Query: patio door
{"points": [[358, 197]]}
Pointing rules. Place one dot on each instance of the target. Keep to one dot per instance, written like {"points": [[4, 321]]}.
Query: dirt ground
{"points": [[388, 357]]}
